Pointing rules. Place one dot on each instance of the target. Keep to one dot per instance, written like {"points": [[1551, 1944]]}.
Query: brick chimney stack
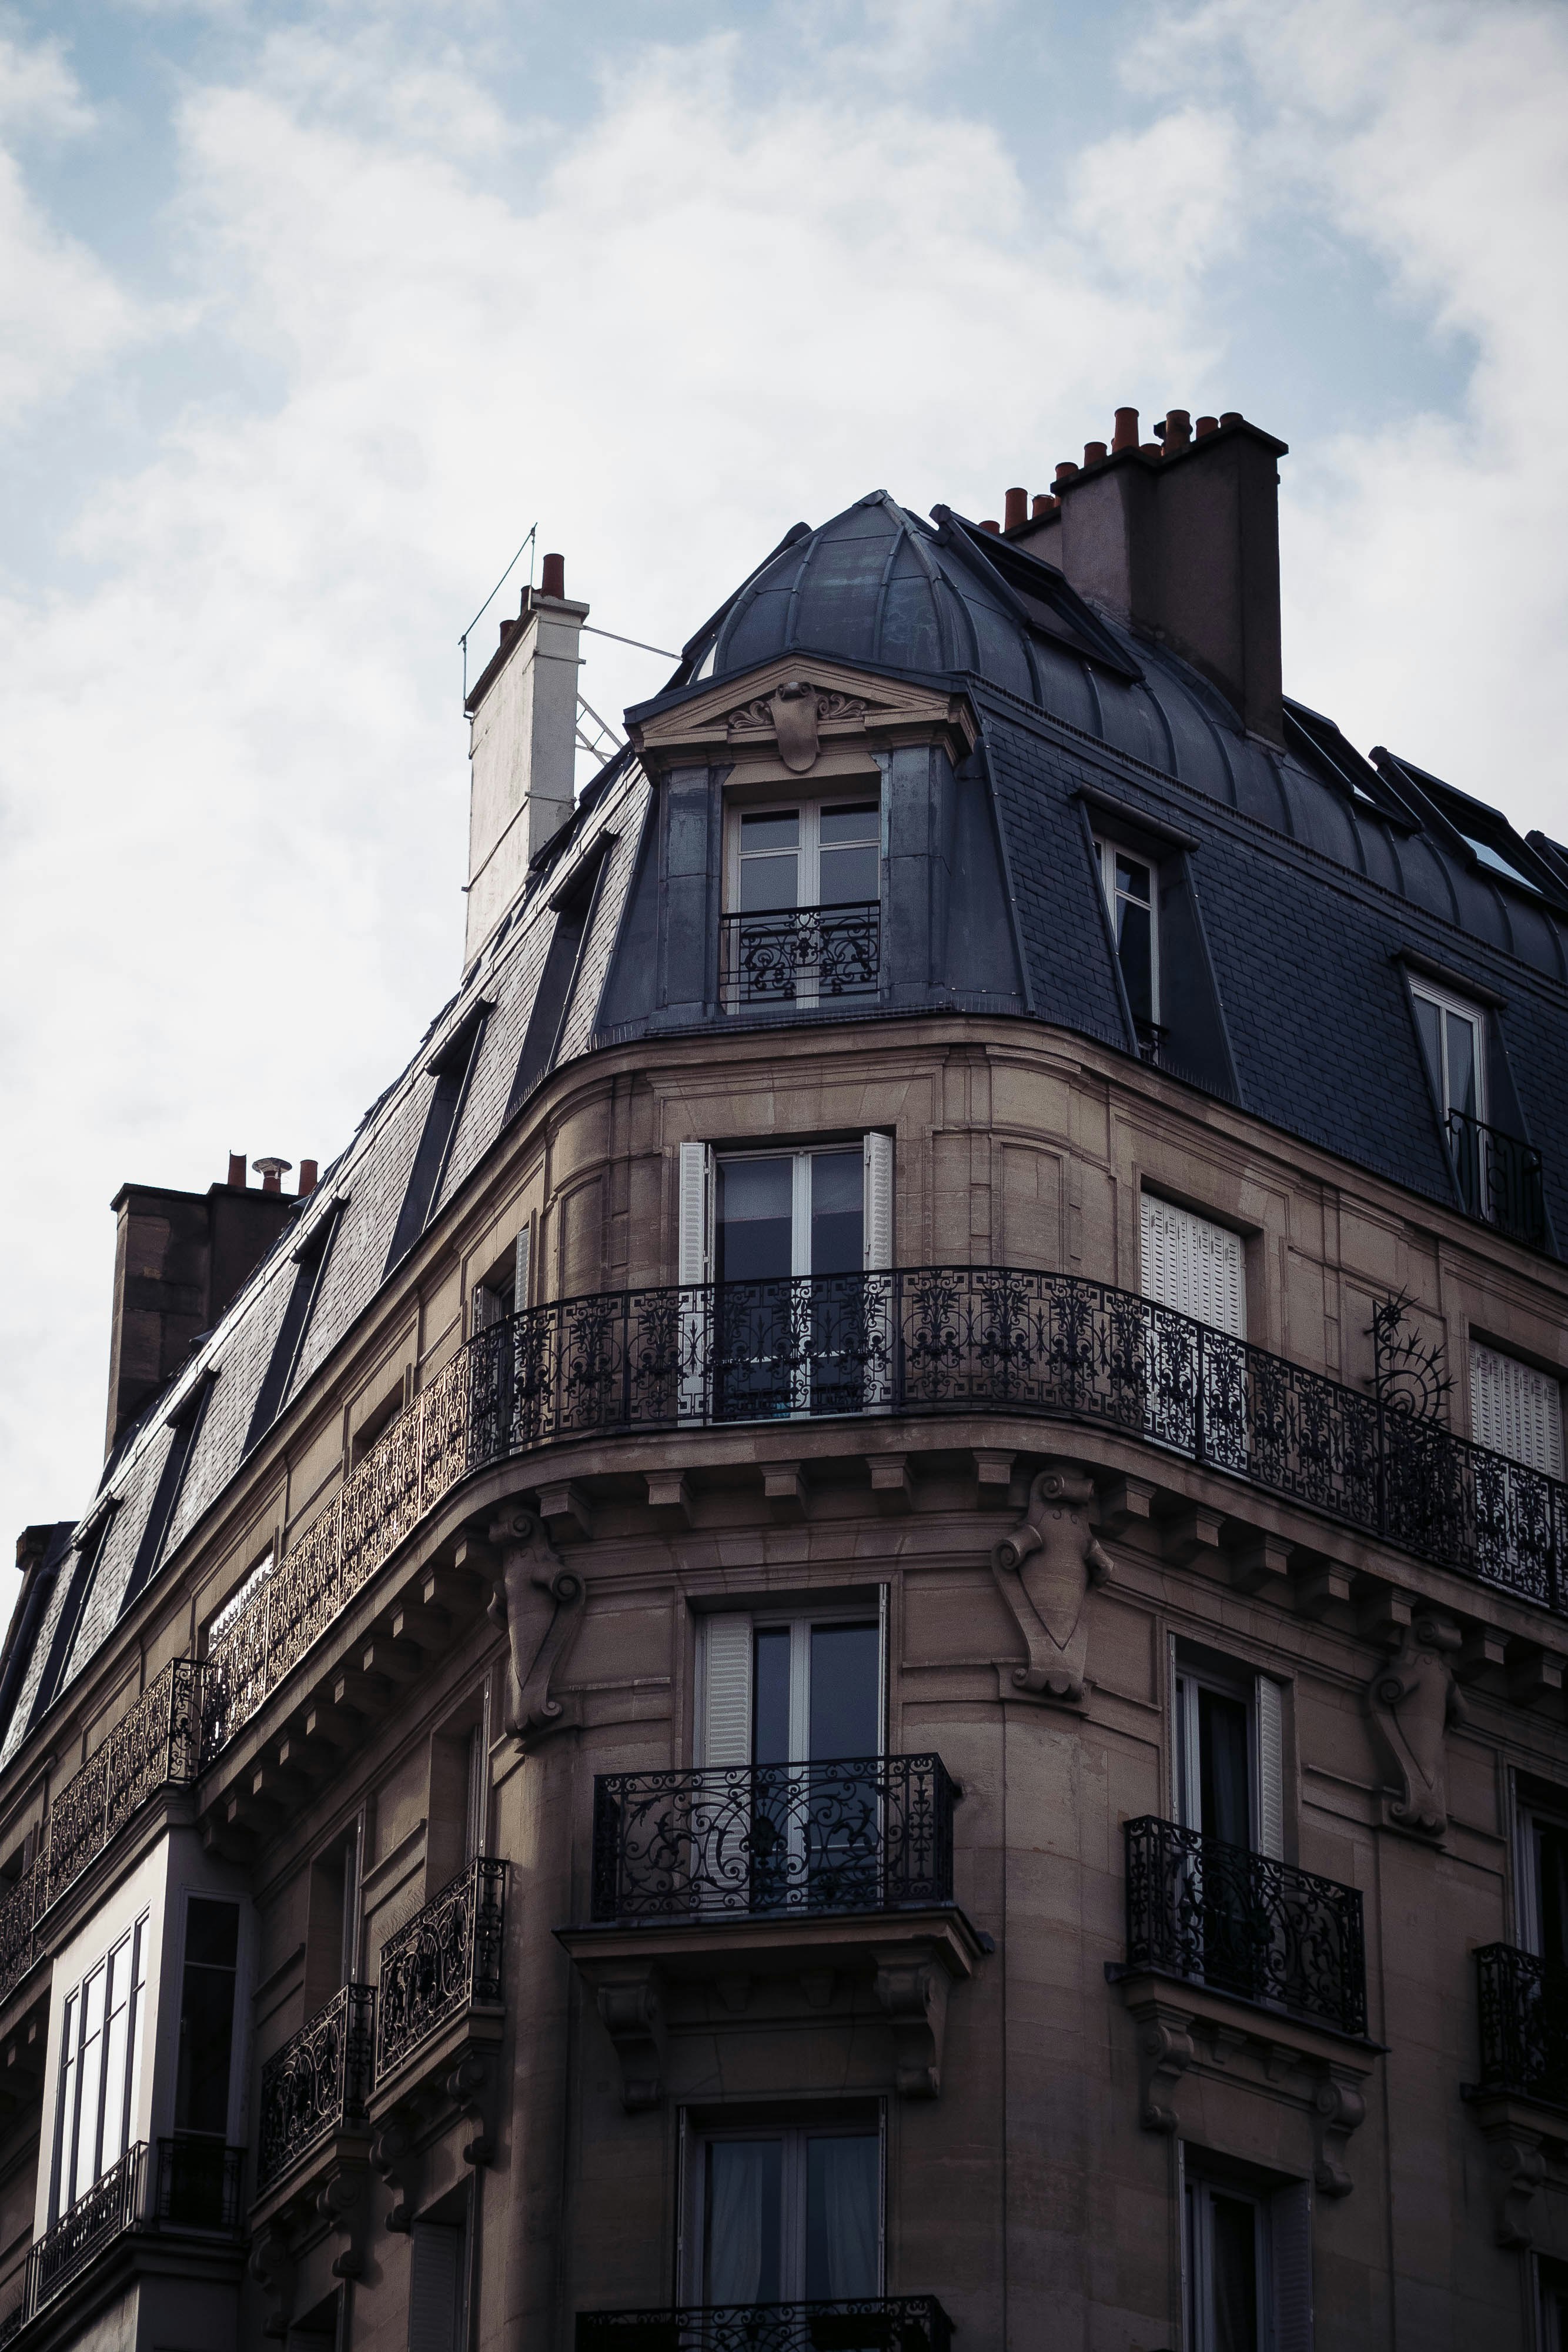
{"points": [[522, 749], [1180, 536]]}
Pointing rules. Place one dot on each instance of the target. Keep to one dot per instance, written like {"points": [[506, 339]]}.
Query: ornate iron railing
{"points": [[112, 2205], [800, 955], [881, 2323], [1524, 2024], [152, 1745], [923, 1341], [317, 2083], [1241, 1923], [447, 1958], [866, 1833], [1500, 1179]]}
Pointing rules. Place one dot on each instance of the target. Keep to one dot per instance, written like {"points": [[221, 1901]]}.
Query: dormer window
{"points": [[803, 892], [1451, 1039]]}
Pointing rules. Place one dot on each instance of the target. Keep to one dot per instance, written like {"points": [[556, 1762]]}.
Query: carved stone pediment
{"points": [[793, 711]]}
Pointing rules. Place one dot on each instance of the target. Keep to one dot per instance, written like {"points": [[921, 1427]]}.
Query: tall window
{"points": [[788, 2216], [1541, 1854], [207, 2017], [1132, 893], [100, 2069], [1248, 2265], [801, 896], [1452, 1033], [1229, 1756]]}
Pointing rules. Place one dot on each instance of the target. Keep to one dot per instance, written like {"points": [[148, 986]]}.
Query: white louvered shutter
{"points": [[484, 1307], [1194, 1265], [434, 2288], [1290, 2249], [1516, 1410], [878, 1203], [727, 1691], [522, 1266], [1269, 1731], [694, 1256]]}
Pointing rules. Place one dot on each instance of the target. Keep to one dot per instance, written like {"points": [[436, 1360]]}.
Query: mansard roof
{"points": [[1310, 872]]}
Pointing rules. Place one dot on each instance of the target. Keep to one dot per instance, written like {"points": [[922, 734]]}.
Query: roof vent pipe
{"points": [[272, 1171]]}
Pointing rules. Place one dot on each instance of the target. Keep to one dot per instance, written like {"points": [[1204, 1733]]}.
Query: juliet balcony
{"points": [[773, 1887], [799, 956], [1500, 1178], [315, 2090], [181, 2189], [1524, 2026], [906, 2323]]}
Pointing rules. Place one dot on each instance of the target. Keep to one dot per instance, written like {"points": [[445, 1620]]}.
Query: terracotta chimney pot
{"points": [[1232, 416], [1094, 452], [1066, 470], [1178, 430], [307, 1178], [1126, 434], [237, 1168], [1044, 505], [994, 528], [1205, 427], [552, 576], [1014, 509]]}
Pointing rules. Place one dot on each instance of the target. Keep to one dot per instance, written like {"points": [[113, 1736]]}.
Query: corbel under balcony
{"points": [[658, 1986], [1520, 2103]]}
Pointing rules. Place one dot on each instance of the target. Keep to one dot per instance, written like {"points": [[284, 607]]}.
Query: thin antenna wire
{"points": [[590, 631], [462, 640]]}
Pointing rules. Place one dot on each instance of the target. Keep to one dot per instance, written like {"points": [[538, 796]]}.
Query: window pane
{"points": [[838, 825], [1427, 1020], [770, 862], [848, 877], [1223, 1776], [1462, 1066], [206, 2018], [845, 1713], [840, 2218], [1134, 945], [753, 1220], [780, 830], [1132, 879], [838, 1212], [211, 1934], [770, 1702], [741, 2236], [1551, 1879], [1235, 2281]]}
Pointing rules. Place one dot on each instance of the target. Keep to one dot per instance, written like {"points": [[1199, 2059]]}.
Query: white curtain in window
{"points": [[1516, 1410], [1194, 1265], [741, 2178], [842, 2211]]}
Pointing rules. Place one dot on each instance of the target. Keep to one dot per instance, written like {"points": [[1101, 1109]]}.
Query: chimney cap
{"points": [[270, 1165]]}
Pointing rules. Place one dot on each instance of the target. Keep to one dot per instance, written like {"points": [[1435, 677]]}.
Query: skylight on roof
{"points": [[1496, 860]]}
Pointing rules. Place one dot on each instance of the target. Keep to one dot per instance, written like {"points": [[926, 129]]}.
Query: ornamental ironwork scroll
{"points": [[318, 2084], [801, 954], [445, 1961], [866, 1833], [1218, 1915], [1524, 2024], [902, 2323]]}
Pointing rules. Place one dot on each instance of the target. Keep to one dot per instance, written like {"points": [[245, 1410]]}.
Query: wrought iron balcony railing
{"points": [[1524, 2024], [881, 2323], [1500, 1179], [928, 1340], [447, 1958], [112, 2205], [152, 1745], [318, 2084], [868, 1833], [800, 955], [1240, 1923], [198, 2184]]}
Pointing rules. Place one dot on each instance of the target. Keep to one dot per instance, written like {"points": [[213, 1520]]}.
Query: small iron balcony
{"points": [[195, 2184], [883, 2323], [443, 1961], [1240, 1923], [800, 955], [865, 1833], [1525, 2025], [1500, 1179], [111, 2206], [318, 2084]]}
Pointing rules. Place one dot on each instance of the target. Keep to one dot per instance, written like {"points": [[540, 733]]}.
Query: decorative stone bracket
{"points": [[1189, 2033], [529, 1563], [330, 2198], [629, 2007], [1415, 1703], [913, 1992], [1043, 1571], [1518, 2137]]}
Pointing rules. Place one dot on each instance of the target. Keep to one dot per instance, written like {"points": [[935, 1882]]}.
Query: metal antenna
{"points": [[462, 640], [603, 733]]}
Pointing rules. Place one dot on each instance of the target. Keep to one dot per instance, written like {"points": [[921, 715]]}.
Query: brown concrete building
{"points": [[858, 1639]]}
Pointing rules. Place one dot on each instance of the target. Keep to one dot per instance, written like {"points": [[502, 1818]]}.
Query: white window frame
{"points": [[488, 1302], [728, 1742], [1197, 2229], [696, 2139], [809, 808], [1263, 1699], [1447, 1002], [1107, 849], [1527, 1926], [133, 1942]]}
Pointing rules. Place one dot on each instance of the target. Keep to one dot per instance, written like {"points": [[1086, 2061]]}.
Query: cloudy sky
{"points": [[309, 309]]}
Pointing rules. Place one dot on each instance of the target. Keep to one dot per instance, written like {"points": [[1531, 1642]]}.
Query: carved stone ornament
{"points": [[529, 1563], [1518, 2175], [1043, 1570], [1338, 2110], [795, 712], [272, 2267], [631, 2015], [913, 1993], [1415, 1703]]}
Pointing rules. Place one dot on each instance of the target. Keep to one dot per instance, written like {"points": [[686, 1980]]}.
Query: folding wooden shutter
{"points": [[1516, 1410], [1290, 2250], [727, 1690], [1194, 1265], [1268, 1741], [878, 1229], [696, 1213], [434, 2288], [522, 1263]]}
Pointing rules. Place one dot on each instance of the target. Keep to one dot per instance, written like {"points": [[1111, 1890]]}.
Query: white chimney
{"points": [[522, 749]]}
